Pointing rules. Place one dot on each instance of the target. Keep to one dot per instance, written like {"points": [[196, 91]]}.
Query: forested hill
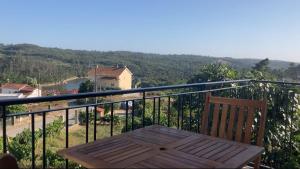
{"points": [[22, 61]]}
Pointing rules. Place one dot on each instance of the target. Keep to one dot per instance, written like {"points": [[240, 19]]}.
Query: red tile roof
{"points": [[16, 86], [27, 89], [107, 71]]}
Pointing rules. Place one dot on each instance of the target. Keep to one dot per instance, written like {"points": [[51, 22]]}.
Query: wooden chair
{"points": [[233, 119], [8, 161]]}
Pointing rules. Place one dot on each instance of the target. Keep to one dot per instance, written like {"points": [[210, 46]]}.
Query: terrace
{"points": [[177, 106]]}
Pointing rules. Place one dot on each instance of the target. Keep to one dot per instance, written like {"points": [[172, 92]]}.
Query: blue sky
{"points": [[222, 28]]}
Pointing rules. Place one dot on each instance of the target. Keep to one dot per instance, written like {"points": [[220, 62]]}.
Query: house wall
{"points": [[111, 83], [8, 91], [11, 96], [125, 80], [35, 93]]}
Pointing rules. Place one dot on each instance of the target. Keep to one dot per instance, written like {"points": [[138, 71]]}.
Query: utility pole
{"points": [[95, 79], [96, 67]]}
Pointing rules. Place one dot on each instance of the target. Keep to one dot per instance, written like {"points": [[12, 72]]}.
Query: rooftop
{"points": [[16, 86], [108, 71]]}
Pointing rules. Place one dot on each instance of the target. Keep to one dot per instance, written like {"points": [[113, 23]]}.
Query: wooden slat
{"points": [[229, 132], [196, 145], [249, 122], [224, 153], [262, 124], [202, 147], [237, 102], [231, 154], [204, 124], [239, 127], [217, 150], [215, 121], [261, 132], [223, 121], [209, 149]]}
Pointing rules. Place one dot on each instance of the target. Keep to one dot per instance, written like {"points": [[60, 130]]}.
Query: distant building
{"points": [[16, 90], [54, 92], [111, 77]]}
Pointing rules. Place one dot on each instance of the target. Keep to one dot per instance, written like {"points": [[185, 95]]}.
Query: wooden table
{"points": [[161, 147]]}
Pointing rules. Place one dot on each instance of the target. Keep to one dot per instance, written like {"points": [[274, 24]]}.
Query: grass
{"points": [[77, 136]]}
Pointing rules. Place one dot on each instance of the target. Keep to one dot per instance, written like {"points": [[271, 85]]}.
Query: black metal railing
{"points": [[177, 106]]}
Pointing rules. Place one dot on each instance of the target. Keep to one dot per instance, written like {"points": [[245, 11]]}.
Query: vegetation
{"points": [[282, 149], [16, 109], [87, 86], [282, 130], [54, 65]]}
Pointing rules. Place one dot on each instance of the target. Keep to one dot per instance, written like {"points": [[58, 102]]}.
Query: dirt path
{"points": [[57, 83]]}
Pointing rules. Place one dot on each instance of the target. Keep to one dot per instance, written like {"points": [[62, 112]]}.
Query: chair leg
{"points": [[257, 163]]}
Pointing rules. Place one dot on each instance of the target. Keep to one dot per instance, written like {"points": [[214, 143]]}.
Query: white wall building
{"points": [[11, 96], [16, 90]]}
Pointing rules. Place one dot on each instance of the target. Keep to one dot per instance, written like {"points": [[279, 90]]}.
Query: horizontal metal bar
{"points": [[200, 91], [103, 103], [112, 92], [64, 108], [276, 82]]}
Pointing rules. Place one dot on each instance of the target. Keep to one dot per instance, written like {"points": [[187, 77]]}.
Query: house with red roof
{"points": [[111, 77], [18, 90]]}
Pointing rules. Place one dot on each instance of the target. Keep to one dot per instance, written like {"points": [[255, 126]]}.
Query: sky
{"points": [[221, 28]]}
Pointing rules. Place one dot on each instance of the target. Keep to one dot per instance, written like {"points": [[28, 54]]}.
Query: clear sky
{"points": [[222, 28]]}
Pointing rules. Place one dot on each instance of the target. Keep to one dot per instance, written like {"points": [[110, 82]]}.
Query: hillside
{"points": [[53, 64]]}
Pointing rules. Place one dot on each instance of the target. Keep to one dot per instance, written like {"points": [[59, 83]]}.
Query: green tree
{"points": [[261, 71], [214, 72], [87, 86], [31, 81], [262, 65], [16, 108]]}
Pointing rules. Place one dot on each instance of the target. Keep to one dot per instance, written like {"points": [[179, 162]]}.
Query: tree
{"points": [[261, 71], [31, 81], [262, 65], [214, 72], [87, 86]]}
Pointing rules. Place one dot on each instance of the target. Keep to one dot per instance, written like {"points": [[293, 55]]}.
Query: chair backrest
{"points": [[233, 119], [8, 161]]}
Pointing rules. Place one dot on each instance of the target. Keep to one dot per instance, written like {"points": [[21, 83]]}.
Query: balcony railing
{"points": [[177, 106]]}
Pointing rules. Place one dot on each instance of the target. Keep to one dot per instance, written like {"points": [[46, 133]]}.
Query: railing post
{"points": [[87, 124], [158, 116], [154, 107], [178, 110], [286, 109], [67, 134], [4, 129], [132, 116], [144, 108], [95, 122], [169, 110], [190, 119], [126, 118], [32, 142], [76, 117], [199, 113], [182, 101], [112, 119], [44, 140]]}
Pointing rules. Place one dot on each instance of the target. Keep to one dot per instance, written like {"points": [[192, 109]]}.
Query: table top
{"points": [[161, 147]]}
